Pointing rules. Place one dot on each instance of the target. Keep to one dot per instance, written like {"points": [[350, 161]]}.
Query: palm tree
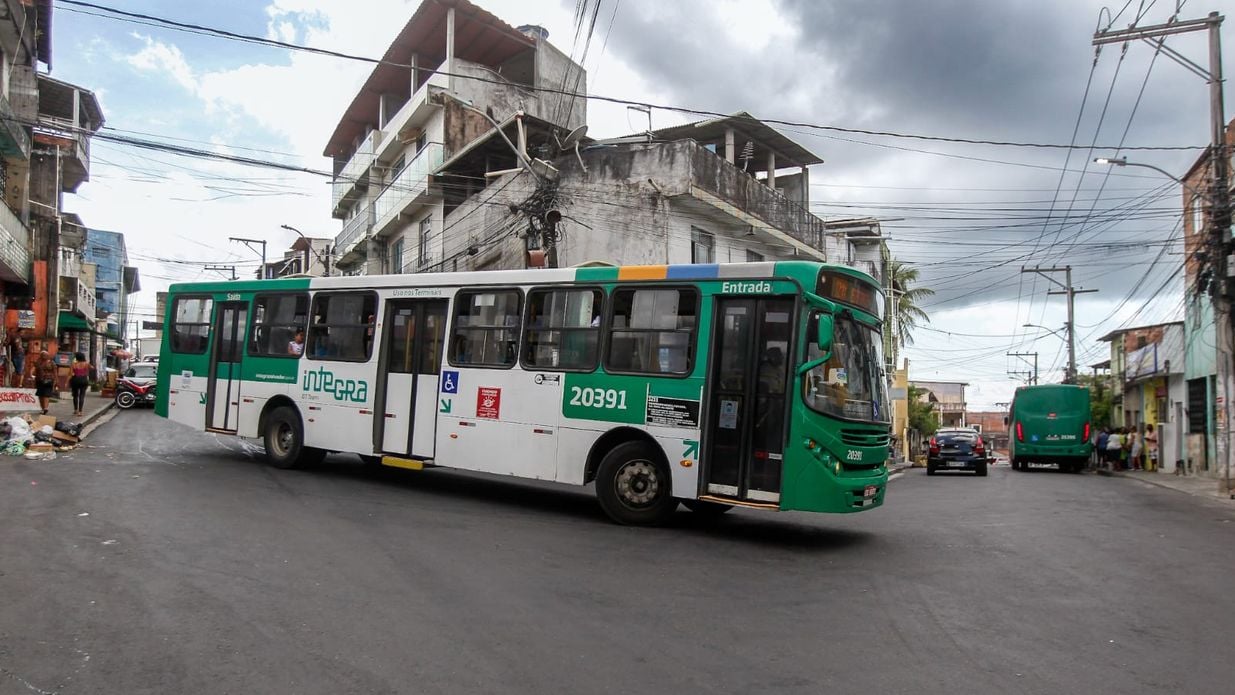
{"points": [[905, 299]]}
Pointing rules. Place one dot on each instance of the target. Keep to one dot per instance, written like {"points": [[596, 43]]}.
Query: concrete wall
{"points": [[552, 66], [1201, 354]]}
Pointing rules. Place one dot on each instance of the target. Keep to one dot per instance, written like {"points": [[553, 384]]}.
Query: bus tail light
{"points": [[1020, 432], [1085, 436]]}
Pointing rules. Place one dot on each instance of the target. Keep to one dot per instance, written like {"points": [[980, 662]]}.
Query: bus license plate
{"points": [[870, 491]]}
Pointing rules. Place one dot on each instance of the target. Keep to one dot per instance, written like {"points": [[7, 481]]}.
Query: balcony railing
{"points": [[354, 230], [14, 247], [409, 186], [354, 176], [414, 110], [724, 180]]}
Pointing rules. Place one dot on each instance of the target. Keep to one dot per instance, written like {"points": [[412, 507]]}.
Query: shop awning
{"points": [[72, 322]]}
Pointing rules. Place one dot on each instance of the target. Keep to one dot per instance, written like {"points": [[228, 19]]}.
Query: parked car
{"points": [[137, 386], [150, 358], [958, 449]]}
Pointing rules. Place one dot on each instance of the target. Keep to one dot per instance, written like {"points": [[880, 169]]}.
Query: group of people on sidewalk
{"points": [[1127, 449], [43, 373]]}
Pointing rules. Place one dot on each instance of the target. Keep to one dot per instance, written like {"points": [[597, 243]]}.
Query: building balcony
{"points": [[713, 175], [14, 247], [14, 142], [349, 244], [77, 297], [74, 150], [353, 179], [404, 126], [692, 174], [408, 191]]}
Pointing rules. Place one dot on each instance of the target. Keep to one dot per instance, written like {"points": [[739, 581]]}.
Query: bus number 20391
{"points": [[612, 399]]}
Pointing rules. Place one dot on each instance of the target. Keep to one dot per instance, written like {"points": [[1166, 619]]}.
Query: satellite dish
{"points": [[573, 137], [572, 142]]}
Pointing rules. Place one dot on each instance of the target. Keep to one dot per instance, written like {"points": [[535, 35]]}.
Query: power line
{"points": [[123, 15]]}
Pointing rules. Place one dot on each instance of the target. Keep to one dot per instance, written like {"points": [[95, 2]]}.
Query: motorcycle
{"points": [[132, 391]]}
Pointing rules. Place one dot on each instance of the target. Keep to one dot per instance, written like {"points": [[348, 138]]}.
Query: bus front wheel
{"points": [[284, 439], [633, 485]]}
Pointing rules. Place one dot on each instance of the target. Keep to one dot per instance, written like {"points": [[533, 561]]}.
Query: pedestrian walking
{"points": [[79, 381], [44, 373]]}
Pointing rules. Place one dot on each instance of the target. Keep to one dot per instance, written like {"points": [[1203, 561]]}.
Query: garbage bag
{"points": [[14, 448], [73, 428], [18, 427]]}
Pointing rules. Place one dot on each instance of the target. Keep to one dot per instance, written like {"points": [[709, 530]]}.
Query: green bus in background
{"points": [[1050, 423], [748, 384]]}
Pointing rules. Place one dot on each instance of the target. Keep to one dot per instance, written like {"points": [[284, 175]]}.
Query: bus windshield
{"points": [[851, 384]]}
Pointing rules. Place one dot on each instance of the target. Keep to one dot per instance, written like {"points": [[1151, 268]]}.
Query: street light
{"points": [[325, 265], [1123, 162]]}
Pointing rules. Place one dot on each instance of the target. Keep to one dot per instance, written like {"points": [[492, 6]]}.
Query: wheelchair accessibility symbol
{"points": [[450, 382]]}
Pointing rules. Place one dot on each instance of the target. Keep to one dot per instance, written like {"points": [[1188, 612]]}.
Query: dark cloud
{"points": [[965, 68]]}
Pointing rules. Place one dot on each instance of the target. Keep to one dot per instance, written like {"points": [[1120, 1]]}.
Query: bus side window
{"points": [[343, 326], [652, 330]]}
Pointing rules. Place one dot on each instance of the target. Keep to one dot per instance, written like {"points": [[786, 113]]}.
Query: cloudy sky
{"points": [[968, 216]]}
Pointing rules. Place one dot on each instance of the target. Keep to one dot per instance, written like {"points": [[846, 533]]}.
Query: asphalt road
{"points": [[200, 570]]}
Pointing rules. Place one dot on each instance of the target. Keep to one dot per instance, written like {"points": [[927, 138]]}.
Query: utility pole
{"points": [[261, 274], [223, 269], [1071, 293], [1220, 201], [1033, 379]]}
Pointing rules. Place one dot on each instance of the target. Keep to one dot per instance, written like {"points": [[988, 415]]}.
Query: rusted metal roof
{"points": [[480, 37]]}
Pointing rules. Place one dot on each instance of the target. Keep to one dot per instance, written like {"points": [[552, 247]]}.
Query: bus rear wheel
{"points": [[633, 486], [284, 440]]}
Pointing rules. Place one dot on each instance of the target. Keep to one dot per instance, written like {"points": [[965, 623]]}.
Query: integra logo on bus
{"points": [[746, 287], [342, 389]]}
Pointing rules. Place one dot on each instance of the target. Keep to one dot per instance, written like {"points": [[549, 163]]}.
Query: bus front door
{"points": [[746, 416], [223, 389], [411, 360]]}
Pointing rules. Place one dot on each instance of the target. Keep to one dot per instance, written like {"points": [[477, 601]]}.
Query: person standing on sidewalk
{"points": [[1113, 449], [1099, 449], [1151, 448], [79, 381], [1135, 450]]}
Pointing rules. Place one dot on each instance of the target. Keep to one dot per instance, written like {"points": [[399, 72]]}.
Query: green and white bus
{"points": [[748, 384]]}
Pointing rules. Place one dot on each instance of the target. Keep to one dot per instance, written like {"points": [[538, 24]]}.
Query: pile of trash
{"points": [[37, 437]]}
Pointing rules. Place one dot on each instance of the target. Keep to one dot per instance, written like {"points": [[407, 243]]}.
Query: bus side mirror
{"points": [[824, 337]]}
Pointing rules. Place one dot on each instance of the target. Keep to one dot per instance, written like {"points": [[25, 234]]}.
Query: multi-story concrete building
{"points": [[1147, 379], [115, 281], [307, 256], [24, 43], [483, 165], [949, 400], [1201, 364]]}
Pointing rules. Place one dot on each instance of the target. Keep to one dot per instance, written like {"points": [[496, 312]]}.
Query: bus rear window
{"points": [[190, 331]]}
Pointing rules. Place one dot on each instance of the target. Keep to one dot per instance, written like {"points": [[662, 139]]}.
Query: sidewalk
{"points": [[1192, 485], [96, 405]]}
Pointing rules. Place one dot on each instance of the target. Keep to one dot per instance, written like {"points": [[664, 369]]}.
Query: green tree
{"points": [[921, 413], [906, 300], [1101, 398]]}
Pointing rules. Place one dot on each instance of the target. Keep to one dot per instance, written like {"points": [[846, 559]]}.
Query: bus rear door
{"points": [[744, 438], [409, 365]]}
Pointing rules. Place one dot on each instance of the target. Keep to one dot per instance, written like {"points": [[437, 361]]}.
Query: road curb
{"points": [[87, 422]]}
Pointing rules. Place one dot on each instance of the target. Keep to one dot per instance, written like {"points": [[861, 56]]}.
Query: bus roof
{"points": [[804, 272]]}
